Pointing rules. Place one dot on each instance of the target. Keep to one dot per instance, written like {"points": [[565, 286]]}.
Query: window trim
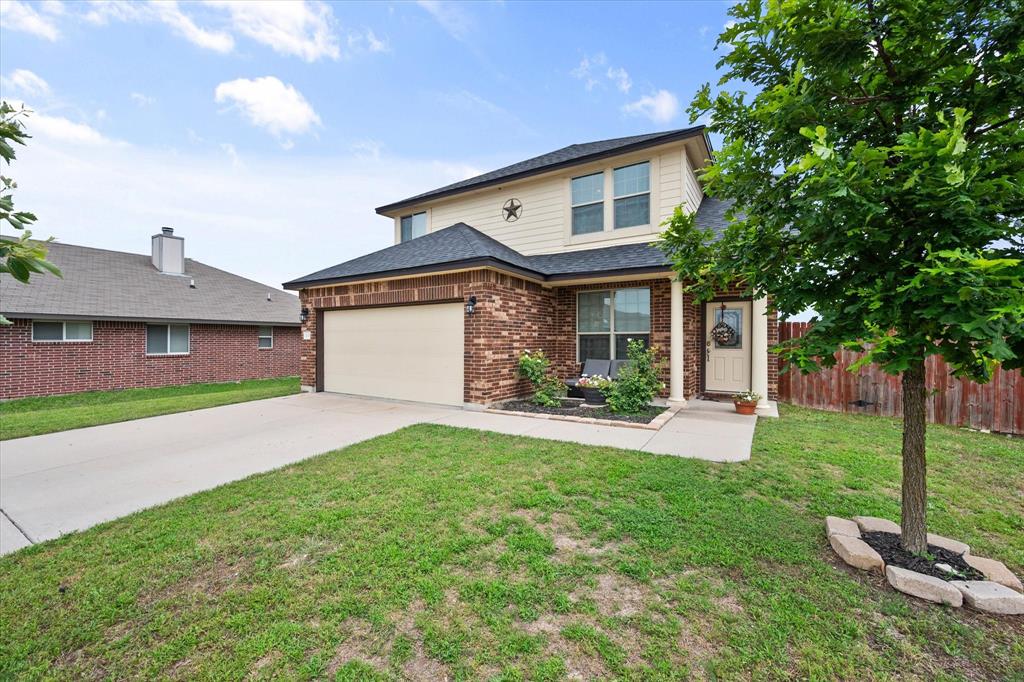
{"points": [[167, 326], [260, 337], [650, 183], [611, 333], [601, 202], [658, 163], [64, 331], [426, 224]]}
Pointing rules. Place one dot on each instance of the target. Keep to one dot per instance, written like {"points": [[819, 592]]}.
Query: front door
{"points": [[727, 347]]}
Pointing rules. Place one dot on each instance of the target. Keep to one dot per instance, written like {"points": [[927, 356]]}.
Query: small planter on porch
{"points": [[593, 388], [746, 402]]}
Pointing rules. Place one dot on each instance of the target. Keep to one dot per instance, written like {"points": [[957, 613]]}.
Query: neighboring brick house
{"points": [[124, 320], [552, 253]]}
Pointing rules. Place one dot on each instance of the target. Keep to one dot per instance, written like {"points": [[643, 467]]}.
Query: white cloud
{"points": [[367, 149], [20, 16], [703, 30], [451, 16], [24, 83], [289, 27], [164, 11], [232, 216], [367, 41], [660, 107], [270, 104], [142, 100], [470, 103], [60, 129], [621, 78], [585, 70]]}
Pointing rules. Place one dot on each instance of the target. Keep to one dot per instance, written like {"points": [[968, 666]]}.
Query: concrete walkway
{"points": [[62, 482]]}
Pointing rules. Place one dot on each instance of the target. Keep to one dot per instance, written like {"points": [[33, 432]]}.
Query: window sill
{"points": [[62, 341], [258, 348], [167, 355], [611, 234]]}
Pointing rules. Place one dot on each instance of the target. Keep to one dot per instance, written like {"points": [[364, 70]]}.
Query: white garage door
{"points": [[405, 353]]}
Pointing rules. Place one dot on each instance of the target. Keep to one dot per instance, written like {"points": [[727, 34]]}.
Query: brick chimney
{"points": [[169, 252]]}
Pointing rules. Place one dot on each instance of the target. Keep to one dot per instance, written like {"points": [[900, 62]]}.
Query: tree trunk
{"points": [[913, 524]]}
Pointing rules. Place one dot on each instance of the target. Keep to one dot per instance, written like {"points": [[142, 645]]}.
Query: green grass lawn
{"points": [[436, 551], [33, 416]]}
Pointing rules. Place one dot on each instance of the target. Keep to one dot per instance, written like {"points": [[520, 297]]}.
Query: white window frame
{"points": [[188, 338], [260, 336], [604, 198], [63, 331], [615, 197], [611, 320], [426, 225]]}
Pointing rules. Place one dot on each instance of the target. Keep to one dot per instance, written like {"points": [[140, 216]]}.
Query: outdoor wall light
{"points": [[471, 305], [304, 315]]}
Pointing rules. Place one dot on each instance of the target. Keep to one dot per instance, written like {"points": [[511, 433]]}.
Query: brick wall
{"points": [[514, 314], [116, 358], [564, 354]]}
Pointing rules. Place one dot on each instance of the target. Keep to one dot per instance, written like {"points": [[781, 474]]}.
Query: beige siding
{"points": [[544, 226]]}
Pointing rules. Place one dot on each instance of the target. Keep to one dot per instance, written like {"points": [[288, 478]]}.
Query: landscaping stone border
{"points": [[653, 425], [1000, 592]]}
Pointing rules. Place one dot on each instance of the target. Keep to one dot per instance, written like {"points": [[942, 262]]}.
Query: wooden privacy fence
{"points": [[997, 406]]}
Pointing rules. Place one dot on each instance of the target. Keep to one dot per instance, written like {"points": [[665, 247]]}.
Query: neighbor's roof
{"points": [[566, 156], [461, 246], [101, 284]]}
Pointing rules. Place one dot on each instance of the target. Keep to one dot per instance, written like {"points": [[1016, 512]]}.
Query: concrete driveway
{"points": [[62, 482]]}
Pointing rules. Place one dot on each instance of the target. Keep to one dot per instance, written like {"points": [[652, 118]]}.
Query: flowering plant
{"points": [[746, 397], [594, 381]]}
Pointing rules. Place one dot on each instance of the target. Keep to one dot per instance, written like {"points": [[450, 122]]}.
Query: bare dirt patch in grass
{"points": [[207, 581], [362, 643]]}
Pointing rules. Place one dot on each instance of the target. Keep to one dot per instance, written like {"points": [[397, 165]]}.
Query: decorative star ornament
{"points": [[512, 209]]}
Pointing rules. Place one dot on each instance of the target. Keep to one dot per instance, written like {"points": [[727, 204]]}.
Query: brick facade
{"points": [[116, 358], [513, 314]]}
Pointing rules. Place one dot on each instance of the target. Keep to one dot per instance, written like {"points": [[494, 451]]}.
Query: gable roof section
{"points": [[101, 284], [566, 156], [461, 246]]}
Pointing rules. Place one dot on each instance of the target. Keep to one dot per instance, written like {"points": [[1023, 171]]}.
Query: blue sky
{"points": [[265, 133]]}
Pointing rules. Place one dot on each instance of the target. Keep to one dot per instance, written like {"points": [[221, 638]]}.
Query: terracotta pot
{"points": [[594, 396], [745, 408]]}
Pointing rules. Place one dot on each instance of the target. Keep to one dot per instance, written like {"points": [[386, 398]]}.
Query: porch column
{"points": [[759, 350], [676, 391]]}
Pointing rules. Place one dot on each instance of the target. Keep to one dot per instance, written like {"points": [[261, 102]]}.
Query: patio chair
{"points": [[616, 367], [590, 368]]}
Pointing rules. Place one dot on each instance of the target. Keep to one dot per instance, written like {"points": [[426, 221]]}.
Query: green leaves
{"points": [[898, 212], [20, 256]]}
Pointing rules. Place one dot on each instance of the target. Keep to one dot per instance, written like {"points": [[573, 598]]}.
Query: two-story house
{"points": [[551, 253]]}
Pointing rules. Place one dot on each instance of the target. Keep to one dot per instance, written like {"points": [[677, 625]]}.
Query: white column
{"points": [[759, 350], [676, 391]]}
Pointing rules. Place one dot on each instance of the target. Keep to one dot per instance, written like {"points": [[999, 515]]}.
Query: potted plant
{"points": [[746, 402], [593, 388]]}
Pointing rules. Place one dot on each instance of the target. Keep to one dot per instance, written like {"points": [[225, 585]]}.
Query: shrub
{"points": [[638, 381], [547, 388]]}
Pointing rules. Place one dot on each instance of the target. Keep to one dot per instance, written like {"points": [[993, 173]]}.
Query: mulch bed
{"points": [[888, 546], [575, 409]]}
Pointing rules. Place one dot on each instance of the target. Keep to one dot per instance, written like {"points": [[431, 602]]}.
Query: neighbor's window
{"points": [[61, 331], [167, 339], [606, 320], [414, 225], [632, 195], [588, 204], [265, 338]]}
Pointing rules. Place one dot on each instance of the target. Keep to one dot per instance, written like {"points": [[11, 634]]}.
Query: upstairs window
{"points": [[61, 331], [632, 195], [588, 204], [265, 338], [167, 339], [414, 225]]}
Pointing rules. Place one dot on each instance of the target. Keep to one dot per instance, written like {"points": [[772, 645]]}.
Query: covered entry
{"points": [[412, 352]]}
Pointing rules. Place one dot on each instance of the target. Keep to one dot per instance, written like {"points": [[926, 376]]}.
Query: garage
{"points": [[404, 352]]}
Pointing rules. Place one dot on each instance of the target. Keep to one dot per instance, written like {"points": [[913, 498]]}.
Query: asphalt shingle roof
{"points": [[463, 246], [566, 156], [102, 284]]}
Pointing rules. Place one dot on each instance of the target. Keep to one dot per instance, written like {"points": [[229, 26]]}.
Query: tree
{"points": [[877, 173], [20, 256]]}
